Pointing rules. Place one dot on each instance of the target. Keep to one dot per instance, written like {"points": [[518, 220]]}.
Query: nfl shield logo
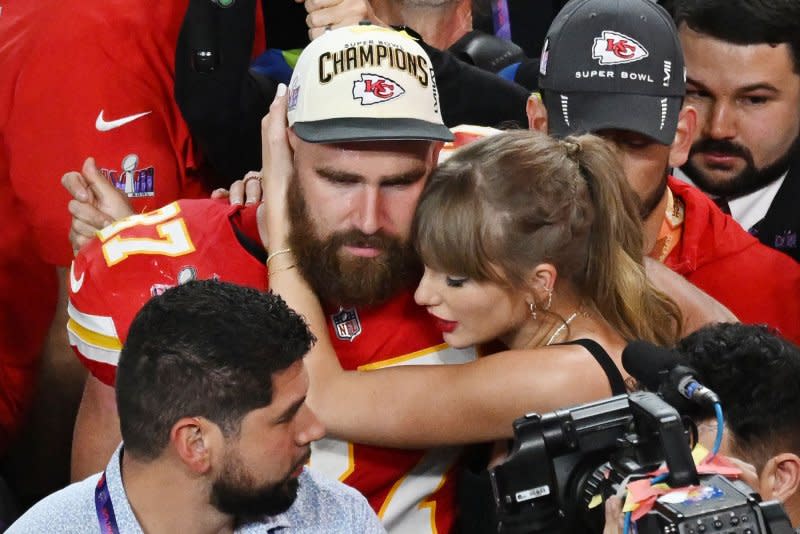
{"points": [[346, 324]]}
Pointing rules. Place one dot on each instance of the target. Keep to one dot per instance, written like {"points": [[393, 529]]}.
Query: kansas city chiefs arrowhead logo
{"points": [[613, 48], [373, 89]]}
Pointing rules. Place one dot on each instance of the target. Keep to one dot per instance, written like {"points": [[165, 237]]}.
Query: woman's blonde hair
{"points": [[502, 205]]}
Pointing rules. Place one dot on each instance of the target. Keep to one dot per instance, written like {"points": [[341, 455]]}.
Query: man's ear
{"points": [[780, 478], [436, 148], [192, 440], [684, 135], [537, 113]]}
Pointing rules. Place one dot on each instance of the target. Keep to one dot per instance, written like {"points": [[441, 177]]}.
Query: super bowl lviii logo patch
{"points": [[346, 324], [133, 180], [374, 89], [613, 48], [185, 275]]}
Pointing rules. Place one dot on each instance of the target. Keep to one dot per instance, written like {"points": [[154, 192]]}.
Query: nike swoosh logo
{"points": [[103, 126], [75, 283]]}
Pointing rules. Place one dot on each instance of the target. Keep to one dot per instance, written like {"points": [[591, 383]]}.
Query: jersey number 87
{"points": [[173, 238]]}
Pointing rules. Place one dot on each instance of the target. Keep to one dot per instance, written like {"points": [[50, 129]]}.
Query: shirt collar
{"points": [[125, 516], [119, 498], [747, 210], [264, 524]]}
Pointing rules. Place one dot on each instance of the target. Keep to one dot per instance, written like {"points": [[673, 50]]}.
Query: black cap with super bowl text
{"points": [[613, 64]]}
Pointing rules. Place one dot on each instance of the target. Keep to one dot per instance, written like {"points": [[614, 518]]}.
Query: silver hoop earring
{"points": [[532, 307], [549, 300]]}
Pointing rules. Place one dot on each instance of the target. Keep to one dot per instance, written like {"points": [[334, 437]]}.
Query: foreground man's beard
{"points": [[235, 492], [339, 278], [750, 179]]}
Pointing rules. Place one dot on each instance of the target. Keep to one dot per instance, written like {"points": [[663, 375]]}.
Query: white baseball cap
{"points": [[365, 83]]}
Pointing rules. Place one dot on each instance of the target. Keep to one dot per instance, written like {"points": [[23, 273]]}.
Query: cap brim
{"points": [[360, 129], [575, 113]]}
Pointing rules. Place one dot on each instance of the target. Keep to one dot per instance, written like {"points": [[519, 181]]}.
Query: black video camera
{"points": [[560, 462]]}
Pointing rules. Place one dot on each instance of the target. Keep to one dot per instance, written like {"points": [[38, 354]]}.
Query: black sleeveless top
{"points": [[601, 357], [474, 492]]}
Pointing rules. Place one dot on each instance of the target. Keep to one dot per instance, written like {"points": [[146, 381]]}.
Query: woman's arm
{"points": [[424, 406]]}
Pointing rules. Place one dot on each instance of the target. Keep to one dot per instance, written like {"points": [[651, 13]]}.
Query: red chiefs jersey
{"points": [[411, 491], [141, 256], [138, 257]]}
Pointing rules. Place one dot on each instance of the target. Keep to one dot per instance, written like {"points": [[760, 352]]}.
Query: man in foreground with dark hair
{"points": [[743, 78], [757, 377], [211, 394]]}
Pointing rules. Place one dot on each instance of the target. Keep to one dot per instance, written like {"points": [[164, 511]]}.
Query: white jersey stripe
{"points": [[94, 353], [96, 323], [438, 355]]}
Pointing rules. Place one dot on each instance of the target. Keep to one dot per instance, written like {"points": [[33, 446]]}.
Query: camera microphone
{"points": [[689, 387], [661, 370]]}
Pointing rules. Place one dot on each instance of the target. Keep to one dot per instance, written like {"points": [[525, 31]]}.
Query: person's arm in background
{"points": [[96, 431], [217, 95]]}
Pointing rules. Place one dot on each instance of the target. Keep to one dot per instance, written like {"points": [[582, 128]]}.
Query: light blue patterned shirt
{"points": [[322, 506]]}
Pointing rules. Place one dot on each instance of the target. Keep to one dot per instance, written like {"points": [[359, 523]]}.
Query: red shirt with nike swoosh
{"points": [[99, 83], [78, 79]]}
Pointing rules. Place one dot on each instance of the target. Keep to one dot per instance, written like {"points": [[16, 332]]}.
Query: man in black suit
{"points": [[743, 78]]}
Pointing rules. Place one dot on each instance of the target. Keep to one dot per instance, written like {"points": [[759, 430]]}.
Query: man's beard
{"points": [[646, 206], [342, 279], [748, 180], [236, 494]]}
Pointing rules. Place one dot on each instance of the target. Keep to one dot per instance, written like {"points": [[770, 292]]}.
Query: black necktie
{"points": [[723, 205]]}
